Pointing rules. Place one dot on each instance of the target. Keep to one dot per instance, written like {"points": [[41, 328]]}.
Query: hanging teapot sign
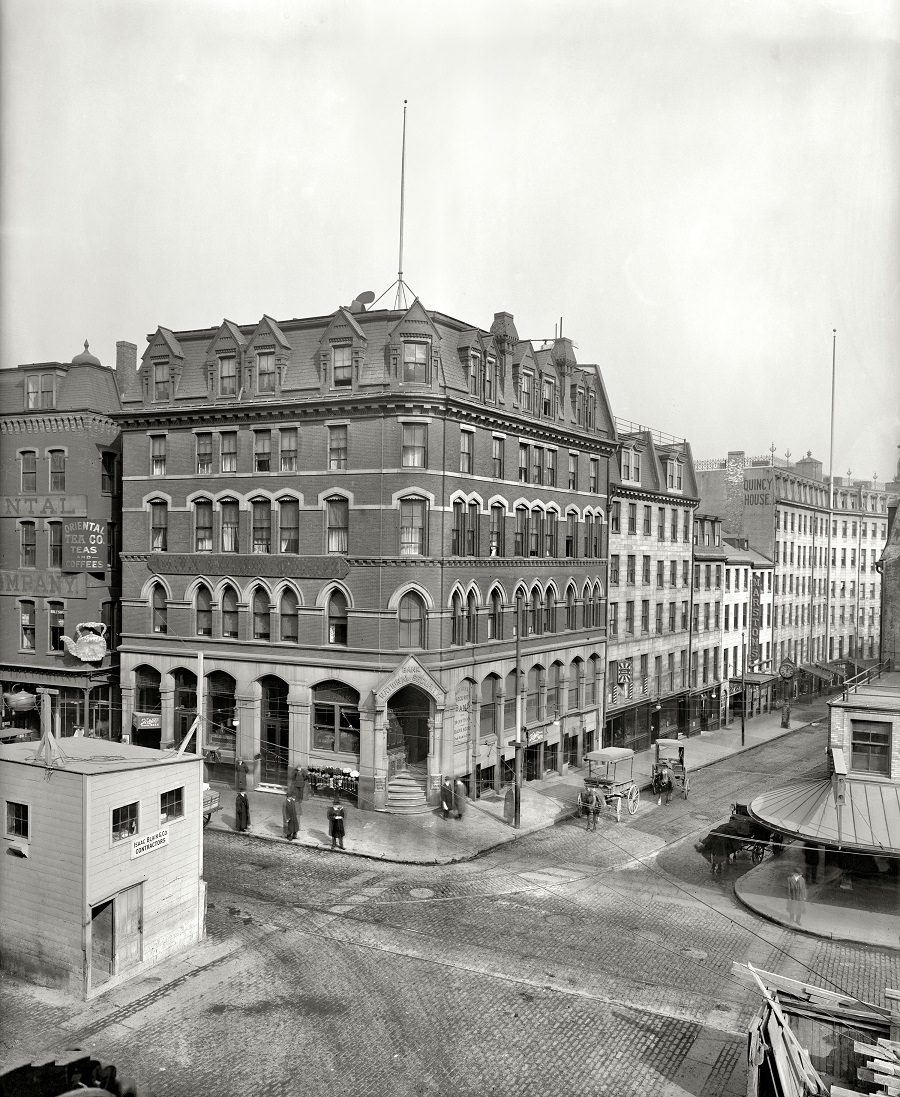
{"points": [[89, 644]]}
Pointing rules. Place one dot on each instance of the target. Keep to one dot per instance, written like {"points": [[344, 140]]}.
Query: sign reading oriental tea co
{"points": [[83, 545]]}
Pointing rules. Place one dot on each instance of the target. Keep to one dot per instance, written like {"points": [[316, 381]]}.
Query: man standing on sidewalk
{"points": [[796, 896]]}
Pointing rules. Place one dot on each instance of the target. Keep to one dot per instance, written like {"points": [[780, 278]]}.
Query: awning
{"points": [[753, 678], [870, 817], [817, 672]]}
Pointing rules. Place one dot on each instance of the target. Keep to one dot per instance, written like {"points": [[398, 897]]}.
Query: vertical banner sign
{"points": [[755, 619], [83, 545], [461, 714]]}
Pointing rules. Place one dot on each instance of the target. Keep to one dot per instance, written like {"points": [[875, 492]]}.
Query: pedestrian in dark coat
{"points": [[460, 799], [796, 889], [336, 824], [242, 811], [446, 797], [290, 816]]}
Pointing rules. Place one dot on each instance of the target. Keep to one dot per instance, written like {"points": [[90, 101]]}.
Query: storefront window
{"points": [[335, 718]]}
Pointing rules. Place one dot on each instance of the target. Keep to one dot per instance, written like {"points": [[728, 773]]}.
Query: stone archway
{"points": [[410, 712]]}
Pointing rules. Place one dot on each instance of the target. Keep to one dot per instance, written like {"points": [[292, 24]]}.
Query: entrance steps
{"points": [[406, 792]]}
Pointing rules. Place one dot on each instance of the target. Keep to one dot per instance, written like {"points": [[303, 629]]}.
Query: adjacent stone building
{"points": [[824, 541], [348, 516]]}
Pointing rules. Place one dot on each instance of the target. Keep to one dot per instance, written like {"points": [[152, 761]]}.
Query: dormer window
{"points": [[579, 407], [674, 475], [228, 376], [161, 380], [631, 466], [39, 392], [474, 373], [592, 411], [265, 371], [488, 386], [415, 363], [342, 366], [548, 399], [527, 391]]}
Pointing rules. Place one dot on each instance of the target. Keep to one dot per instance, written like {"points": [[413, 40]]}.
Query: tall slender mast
{"points": [[400, 299], [828, 601]]}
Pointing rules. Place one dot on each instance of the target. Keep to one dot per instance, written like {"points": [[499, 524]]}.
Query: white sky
{"points": [[701, 189]]}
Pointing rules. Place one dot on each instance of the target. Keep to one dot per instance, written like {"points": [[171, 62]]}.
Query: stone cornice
{"points": [[619, 491]]}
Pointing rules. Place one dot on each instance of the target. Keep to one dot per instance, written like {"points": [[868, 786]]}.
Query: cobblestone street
{"points": [[565, 963]]}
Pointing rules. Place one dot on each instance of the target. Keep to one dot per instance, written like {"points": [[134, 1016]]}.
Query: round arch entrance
{"points": [[409, 714]]}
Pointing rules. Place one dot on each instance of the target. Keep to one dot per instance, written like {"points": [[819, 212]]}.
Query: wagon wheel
{"points": [[758, 852], [634, 796], [657, 784], [686, 787]]}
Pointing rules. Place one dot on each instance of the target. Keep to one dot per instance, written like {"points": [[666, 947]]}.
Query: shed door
{"points": [[101, 942], [129, 927]]}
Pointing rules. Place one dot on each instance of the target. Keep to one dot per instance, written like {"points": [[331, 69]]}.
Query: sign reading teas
{"points": [[150, 842], [84, 545]]}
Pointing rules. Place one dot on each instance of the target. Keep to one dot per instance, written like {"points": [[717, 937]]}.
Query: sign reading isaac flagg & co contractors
{"points": [[149, 842]]}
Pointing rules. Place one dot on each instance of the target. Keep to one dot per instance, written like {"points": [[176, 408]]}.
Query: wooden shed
{"points": [[101, 872]]}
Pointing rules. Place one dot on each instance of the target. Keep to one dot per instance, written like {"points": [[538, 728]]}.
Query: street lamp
{"points": [[519, 745], [743, 683]]}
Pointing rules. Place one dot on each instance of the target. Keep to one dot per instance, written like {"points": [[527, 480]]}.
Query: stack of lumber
{"points": [[882, 1067]]}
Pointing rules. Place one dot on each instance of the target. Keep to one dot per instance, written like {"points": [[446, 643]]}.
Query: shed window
{"points": [[124, 822], [17, 823], [171, 805], [871, 747]]}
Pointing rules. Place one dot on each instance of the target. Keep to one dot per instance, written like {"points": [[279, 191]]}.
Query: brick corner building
{"points": [[346, 516]]}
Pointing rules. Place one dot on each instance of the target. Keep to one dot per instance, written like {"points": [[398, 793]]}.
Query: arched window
{"points": [[261, 627], [535, 533], [589, 535], [498, 519], [289, 525], [571, 609], [535, 617], [29, 471], [337, 618], [159, 525], [229, 613], [488, 723], [147, 697], [550, 611], [335, 718], [471, 618], [337, 517], [203, 611], [27, 545], [534, 709], [412, 621], [289, 616], [159, 608], [571, 534], [551, 529], [509, 705], [495, 617], [203, 525], [228, 509], [261, 525], [521, 541], [576, 672], [554, 690], [457, 619]]}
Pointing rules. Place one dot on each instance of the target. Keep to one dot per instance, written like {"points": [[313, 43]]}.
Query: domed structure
{"points": [[85, 358]]}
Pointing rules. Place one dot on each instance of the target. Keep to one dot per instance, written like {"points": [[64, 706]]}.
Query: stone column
{"points": [[167, 696]]}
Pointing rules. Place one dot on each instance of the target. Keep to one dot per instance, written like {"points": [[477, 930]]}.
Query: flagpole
{"points": [[828, 603]]}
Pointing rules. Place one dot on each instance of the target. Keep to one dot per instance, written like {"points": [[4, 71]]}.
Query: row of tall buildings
{"points": [[375, 544]]}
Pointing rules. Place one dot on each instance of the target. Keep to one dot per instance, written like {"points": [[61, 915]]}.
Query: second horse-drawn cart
{"points": [[611, 776]]}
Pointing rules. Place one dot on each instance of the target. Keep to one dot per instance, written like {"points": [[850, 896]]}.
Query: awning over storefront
{"points": [[817, 672], [753, 678], [869, 820]]}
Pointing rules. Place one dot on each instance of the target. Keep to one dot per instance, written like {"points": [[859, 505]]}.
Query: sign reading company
{"points": [[83, 545], [47, 583], [758, 491], [149, 842]]}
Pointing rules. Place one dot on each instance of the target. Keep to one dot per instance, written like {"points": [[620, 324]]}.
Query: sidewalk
{"points": [[428, 839]]}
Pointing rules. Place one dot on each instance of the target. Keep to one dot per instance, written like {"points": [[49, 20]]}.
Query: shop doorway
{"points": [[408, 715], [274, 734], [116, 935]]}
